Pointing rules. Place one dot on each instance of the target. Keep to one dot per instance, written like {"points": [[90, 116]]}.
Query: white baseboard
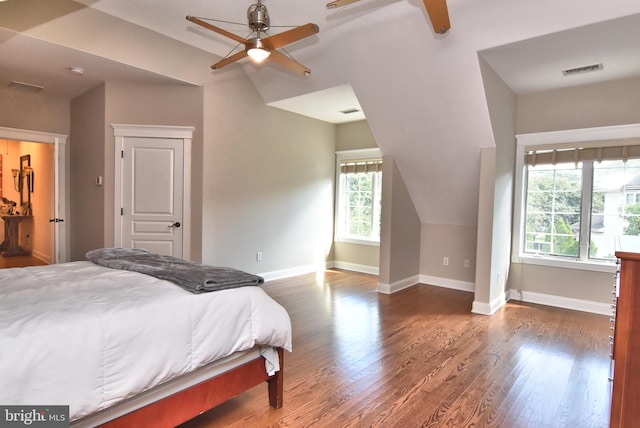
{"points": [[287, 273], [398, 285], [373, 270], [482, 308], [448, 283], [477, 307], [303, 270], [561, 302]]}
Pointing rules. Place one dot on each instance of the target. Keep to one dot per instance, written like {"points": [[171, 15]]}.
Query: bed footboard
{"points": [[191, 402]]}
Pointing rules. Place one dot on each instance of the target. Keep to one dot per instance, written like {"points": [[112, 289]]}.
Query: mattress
{"points": [[87, 336]]}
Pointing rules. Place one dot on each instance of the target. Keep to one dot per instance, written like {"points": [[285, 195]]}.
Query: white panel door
{"points": [[152, 194]]}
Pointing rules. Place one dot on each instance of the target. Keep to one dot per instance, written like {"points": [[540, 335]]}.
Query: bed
{"points": [[120, 347]]}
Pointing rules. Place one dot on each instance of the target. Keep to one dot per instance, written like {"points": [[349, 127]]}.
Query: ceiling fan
{"points": [[437, 10], [258, 47]]}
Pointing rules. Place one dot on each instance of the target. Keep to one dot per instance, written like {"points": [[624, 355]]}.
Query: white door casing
{"points": [[59, 244], [152, 188]]}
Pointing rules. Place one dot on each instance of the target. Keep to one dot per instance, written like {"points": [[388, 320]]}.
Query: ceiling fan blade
{"points": [[339, 3], [280, 58], [216, 29], [439, 15], [229, 60], [281, 39]]}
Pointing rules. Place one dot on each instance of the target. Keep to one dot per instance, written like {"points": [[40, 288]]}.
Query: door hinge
{"points": [[122, 154], [121, 211]]}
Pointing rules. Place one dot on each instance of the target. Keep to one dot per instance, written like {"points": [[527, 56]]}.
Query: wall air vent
{"points": [[350, 110], [23, 85], [583, 69]]}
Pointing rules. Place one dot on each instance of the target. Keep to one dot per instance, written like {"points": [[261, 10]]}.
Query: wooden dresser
{"points": [[625, 405]]}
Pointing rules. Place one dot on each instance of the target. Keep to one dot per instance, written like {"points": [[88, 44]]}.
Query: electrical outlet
{"points": [[259, 256], [445, 261]]}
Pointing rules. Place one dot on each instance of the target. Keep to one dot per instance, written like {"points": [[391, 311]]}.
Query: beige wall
{"points": [[366, 258], [561, 282], [268, 181], [354, 136], [33, 111], [86, 217], [493, 246], [610, 103], [93, 145], [143, 104], [400, 234], [457, 243]]}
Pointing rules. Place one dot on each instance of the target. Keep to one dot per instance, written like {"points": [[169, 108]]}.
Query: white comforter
{"points": [[88, 336]]}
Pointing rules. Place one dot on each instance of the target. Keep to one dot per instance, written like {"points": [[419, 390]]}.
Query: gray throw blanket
{"points": [[192, 276]]}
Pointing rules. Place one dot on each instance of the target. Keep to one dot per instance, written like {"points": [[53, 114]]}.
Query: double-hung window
{"points": [[359, 195], [579, 202]]}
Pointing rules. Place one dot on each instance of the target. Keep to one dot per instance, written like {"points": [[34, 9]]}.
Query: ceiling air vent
{"points": [[350, 110], [583, 69]]}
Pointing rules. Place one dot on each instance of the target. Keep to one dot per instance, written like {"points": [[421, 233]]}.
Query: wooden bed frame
{"points": [[195, 400]]}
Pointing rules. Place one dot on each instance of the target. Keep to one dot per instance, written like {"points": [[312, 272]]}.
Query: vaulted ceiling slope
{"points": [[422, 92]]}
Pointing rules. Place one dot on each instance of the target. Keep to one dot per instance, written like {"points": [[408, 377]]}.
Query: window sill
{"points": [[604, 266], [358, 241]]}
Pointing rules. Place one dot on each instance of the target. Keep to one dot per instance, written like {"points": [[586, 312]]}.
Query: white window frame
{"points": [[341, 157], [558, 140]]}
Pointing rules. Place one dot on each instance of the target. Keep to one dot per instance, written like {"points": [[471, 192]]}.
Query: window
{"points": [[359, 195], [580, 202], [554, 209], [554, 195]]}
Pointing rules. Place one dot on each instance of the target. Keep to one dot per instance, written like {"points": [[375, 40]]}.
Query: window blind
{"points": [[588, 152], [361, 166]]}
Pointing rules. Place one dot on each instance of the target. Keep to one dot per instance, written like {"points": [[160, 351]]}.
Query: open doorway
{"points": [[32, 201]]}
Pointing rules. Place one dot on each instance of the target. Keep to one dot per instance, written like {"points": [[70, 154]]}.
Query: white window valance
{"points": [[630, 149], [361, 166]]}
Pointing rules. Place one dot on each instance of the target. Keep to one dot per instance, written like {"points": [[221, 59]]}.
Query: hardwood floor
{"points": [[421, 358], [20, 261]]}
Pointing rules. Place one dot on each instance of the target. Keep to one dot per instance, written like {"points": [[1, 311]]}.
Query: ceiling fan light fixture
{"points": [[258, 52]]}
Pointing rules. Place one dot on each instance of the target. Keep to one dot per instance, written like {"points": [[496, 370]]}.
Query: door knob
{"points": [[176, 224]]}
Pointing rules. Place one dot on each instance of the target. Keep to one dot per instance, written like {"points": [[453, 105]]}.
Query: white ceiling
{"points": [[536, 64], [335, 105], [37, 62], [422, 93], [528, 65]]}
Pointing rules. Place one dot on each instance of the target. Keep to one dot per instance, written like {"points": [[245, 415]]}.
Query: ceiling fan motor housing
{"points": [[258, 17]]}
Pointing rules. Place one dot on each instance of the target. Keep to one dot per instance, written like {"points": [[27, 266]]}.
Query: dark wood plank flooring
{"points": [[420, 358]]}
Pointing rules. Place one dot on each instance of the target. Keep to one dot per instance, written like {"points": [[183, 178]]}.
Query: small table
{"points": [[10, 247]]}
